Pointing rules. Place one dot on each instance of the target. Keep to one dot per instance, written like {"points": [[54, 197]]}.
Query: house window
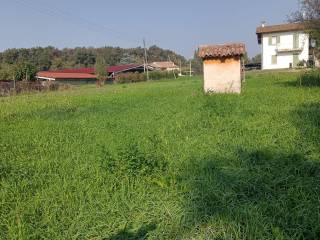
{"points": [[274, 59], [274, 40], [295, 40]]}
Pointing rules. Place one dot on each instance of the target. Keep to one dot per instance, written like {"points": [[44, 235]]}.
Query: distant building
{"points": [[67, 77], [284, 46], [222, 67], [86, 75], [164, 66]]}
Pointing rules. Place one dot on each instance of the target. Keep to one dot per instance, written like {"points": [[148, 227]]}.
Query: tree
{"points": [[127, 58], [309, 15], [84, 57], [18, 72], [256, 59], [100, 70], [24, 71], [6, 72], [246, 59], [197, 65]]}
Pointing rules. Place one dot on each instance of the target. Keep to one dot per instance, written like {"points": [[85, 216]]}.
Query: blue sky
{"points": [[178, 25]]}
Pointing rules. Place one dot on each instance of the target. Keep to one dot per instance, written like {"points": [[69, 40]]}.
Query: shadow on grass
{"points": [[140, 234], [261, 193], [272, 195], [306, 79]]}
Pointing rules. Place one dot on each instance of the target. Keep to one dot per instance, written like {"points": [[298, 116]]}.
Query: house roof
{"points": [[163, 65], [223, 50], [65, 75], [288, 27], [111, 69]]}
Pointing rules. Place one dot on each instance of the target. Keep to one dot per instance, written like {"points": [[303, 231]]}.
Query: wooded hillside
{"points": [[49, 58]]}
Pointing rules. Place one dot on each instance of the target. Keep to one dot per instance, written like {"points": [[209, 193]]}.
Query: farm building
{"points": [[164, 66], [222, 67], [67, 77], [86, 75]]}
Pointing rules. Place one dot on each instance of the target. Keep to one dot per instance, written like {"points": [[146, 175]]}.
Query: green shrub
{"points": [[310, 78], [158, 75], [301, 64], [130, 159], [18, 72], [141, 77], [130, 77], [6, 72]]}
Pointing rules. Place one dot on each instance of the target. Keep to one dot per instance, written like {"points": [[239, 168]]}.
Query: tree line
{"points": [[22, 63]]}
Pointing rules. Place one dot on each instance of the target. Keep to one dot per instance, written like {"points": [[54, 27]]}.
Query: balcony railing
{"points": [[284, 50]]}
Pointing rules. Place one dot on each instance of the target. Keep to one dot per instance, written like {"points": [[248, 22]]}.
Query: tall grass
{"points": [[162, 160], [310, 78]]}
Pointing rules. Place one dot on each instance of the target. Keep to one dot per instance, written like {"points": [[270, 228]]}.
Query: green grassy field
{"points": [[161, 160]]}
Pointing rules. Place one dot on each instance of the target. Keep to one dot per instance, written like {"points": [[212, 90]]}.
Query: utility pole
{"points": [[180, 68], [172, 69], [190, 69], [145, 59], [243, 69]]}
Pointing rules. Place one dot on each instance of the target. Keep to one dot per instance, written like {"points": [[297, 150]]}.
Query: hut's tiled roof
{"points": [[223, 50]]}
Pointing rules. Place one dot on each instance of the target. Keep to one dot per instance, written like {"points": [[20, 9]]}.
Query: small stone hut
{"points": [[222, 67]]}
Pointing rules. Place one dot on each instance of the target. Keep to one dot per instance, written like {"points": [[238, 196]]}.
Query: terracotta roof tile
{"points": [[223, 50]]}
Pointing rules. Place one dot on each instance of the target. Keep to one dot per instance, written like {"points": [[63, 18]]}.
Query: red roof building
{"points": [[87, 73], [49, 75]]}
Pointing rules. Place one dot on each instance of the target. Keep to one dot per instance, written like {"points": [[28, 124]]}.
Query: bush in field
{"points": [[302, 64], [309, 79], [131, 160], [130, 77], [158, 75]]}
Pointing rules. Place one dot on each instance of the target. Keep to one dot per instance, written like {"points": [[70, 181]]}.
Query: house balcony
{"points": [[288, 50]]}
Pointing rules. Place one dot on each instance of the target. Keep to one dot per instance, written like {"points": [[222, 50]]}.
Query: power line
{"points": [[75, 19]]}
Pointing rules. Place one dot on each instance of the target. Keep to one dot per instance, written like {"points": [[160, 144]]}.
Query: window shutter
{"points": [[295, 41], [270, 41], [278, 39], [295, 60]]}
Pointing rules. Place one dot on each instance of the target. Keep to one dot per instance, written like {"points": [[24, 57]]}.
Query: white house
{"points": [[283, 46]]}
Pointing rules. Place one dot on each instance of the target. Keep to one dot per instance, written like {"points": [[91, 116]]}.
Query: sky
{"points": [[179, 25]]}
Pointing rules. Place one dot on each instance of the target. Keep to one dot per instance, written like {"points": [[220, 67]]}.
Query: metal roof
{"points": [[62, 75]]}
